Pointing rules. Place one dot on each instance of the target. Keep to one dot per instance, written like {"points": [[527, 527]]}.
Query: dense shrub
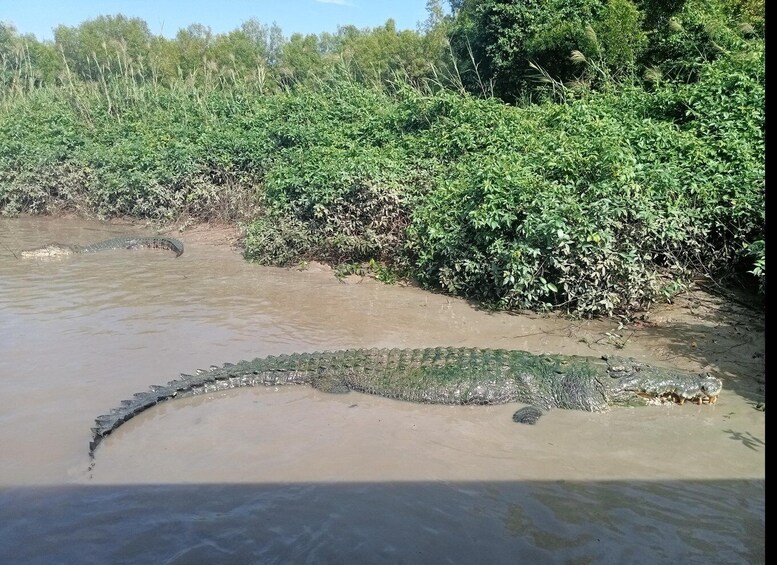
{"points": [[592, 206], [601, 205], [155, 154]]}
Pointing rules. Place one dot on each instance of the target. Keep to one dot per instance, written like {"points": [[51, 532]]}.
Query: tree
{"points": [[620, 37], [381, 54], [268, 39], [684, 35], [300, 59], [193, 44], [105, 46], [498, 41], [25, 62]]}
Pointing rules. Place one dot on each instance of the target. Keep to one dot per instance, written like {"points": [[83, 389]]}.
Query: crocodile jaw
{"points": [[704, 389], [632, 383], [51, 250]]}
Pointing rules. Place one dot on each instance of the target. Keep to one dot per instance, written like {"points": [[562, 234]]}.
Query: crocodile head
{"points": [[50, 250], [632, 383]]}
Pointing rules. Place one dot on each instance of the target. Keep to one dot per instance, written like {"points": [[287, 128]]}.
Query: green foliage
{"points": [[596, 206], [757, 250], [383, 273], [373, 268], [522, 51], [386, 53], [103, 46], [726, 108], [277, 239], [151, 155], [340, 148], [620, 36], [694, 33], [496, 40], [25, 64], [116, 48], [336, 170]]}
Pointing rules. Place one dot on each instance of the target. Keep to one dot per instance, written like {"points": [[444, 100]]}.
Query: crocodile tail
{"points": [[283, 369], [157, 242]]}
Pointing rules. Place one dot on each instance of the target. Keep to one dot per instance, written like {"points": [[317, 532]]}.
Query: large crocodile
{"points": [[443, 376], [129, 242]]}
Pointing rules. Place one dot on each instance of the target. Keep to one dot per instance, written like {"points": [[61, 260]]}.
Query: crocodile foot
{"points": [[528, 415]]}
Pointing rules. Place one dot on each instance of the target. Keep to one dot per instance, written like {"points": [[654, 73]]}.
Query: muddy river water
{"points": [[292, 475]]}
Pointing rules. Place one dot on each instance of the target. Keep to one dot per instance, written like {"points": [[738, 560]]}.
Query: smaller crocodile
{"points": [[128, 242]]}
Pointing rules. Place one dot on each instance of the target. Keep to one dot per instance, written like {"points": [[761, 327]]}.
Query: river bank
{"points": [[293, 473]]}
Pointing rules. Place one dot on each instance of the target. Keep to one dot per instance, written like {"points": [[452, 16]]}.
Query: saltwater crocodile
{"points": [[443, 376], [129, 242]]}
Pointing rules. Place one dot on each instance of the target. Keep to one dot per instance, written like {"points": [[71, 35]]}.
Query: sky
{"points": [[166, 17]]}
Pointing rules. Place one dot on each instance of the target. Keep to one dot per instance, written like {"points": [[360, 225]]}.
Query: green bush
{"points": [[339, 170], [157, 154], [601, 205], [596, 206]]}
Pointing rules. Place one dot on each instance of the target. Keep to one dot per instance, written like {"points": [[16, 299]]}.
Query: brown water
{"points": [[294, 475]]}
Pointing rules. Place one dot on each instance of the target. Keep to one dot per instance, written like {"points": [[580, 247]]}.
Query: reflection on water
{"points": [[280, 476]]}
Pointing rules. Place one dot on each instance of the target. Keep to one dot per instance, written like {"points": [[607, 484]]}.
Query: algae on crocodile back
{"points": [[443, 376]]}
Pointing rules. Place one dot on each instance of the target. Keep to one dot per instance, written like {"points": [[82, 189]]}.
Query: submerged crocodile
{"points": [[129, 242], [443, 376]]}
